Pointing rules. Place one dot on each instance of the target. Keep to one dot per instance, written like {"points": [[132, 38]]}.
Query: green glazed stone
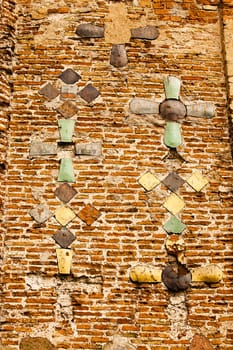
{"points": [[66, 172], [66, 129], [172, 87], [172, 135], [174, 225]]}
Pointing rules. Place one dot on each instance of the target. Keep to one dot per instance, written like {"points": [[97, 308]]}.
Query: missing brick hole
{"points": [[2, 167]]}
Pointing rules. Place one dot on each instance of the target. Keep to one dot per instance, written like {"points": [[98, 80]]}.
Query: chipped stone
{"points": [[88, 30], [118, 57], [41, 213], [145, 274], [36, 343], [93, 149], [143, 106], [38, 149], [147, 33]]}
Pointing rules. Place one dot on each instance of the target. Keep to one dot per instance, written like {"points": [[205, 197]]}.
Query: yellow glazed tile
{"points": [[64, 258], [197, 181], [174, 204], [64, 215], [148, 181]]}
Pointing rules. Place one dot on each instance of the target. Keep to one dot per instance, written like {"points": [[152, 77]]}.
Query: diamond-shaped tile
{"points": [[89, 93], [148, 181], [69, 76], [89, 214], [49, 91], [68, 109], [64, 215], [65, 192], [41, 213], [174, 204], [64, 237], [174, 225], [173, 181], [197, 181]]}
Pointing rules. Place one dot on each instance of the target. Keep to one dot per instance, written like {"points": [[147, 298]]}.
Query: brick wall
{"points": [[97, 301]]}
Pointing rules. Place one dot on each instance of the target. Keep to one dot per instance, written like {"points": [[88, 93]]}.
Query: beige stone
{"points": [[145, 274], [208, 274], [174, 204], [64, 258]]}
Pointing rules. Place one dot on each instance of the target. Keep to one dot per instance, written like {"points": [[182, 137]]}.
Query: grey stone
{"points": [[64, 237], [147, 33], [69, 76], [88, 30], [118, 57], [93, 149], [41, 213], [201, 110], [38, 149], [143, 106]]}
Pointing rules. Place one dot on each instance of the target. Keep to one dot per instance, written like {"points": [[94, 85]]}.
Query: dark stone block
{"points": [[173, 181], [172, 110], [176, 278], [49, 91], [147, 33], [68, 109], [89, 93], [88, 30], [69, 76], [118, 57], [64, 238], [65, 192]]}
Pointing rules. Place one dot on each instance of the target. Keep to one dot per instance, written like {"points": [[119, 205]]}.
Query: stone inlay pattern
{"points": [[197, 181], [174, 225], [174, 204], [89, 93], [41, 213], [69, 76]]}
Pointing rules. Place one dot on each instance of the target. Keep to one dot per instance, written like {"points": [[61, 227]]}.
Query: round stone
{"points": [[172, 110]]}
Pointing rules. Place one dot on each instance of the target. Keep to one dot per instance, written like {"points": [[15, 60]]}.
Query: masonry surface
{"points": [[103, 217]]}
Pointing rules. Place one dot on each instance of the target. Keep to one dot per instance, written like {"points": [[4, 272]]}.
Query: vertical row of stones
{"points": [[7, 31]]}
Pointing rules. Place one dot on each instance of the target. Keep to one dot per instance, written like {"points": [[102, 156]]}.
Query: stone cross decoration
{"points": [[118, 56], [172, 110], [63, 101]]}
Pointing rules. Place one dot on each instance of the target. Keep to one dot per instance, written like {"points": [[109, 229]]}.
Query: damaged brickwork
{"points": [[87, 193]]}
